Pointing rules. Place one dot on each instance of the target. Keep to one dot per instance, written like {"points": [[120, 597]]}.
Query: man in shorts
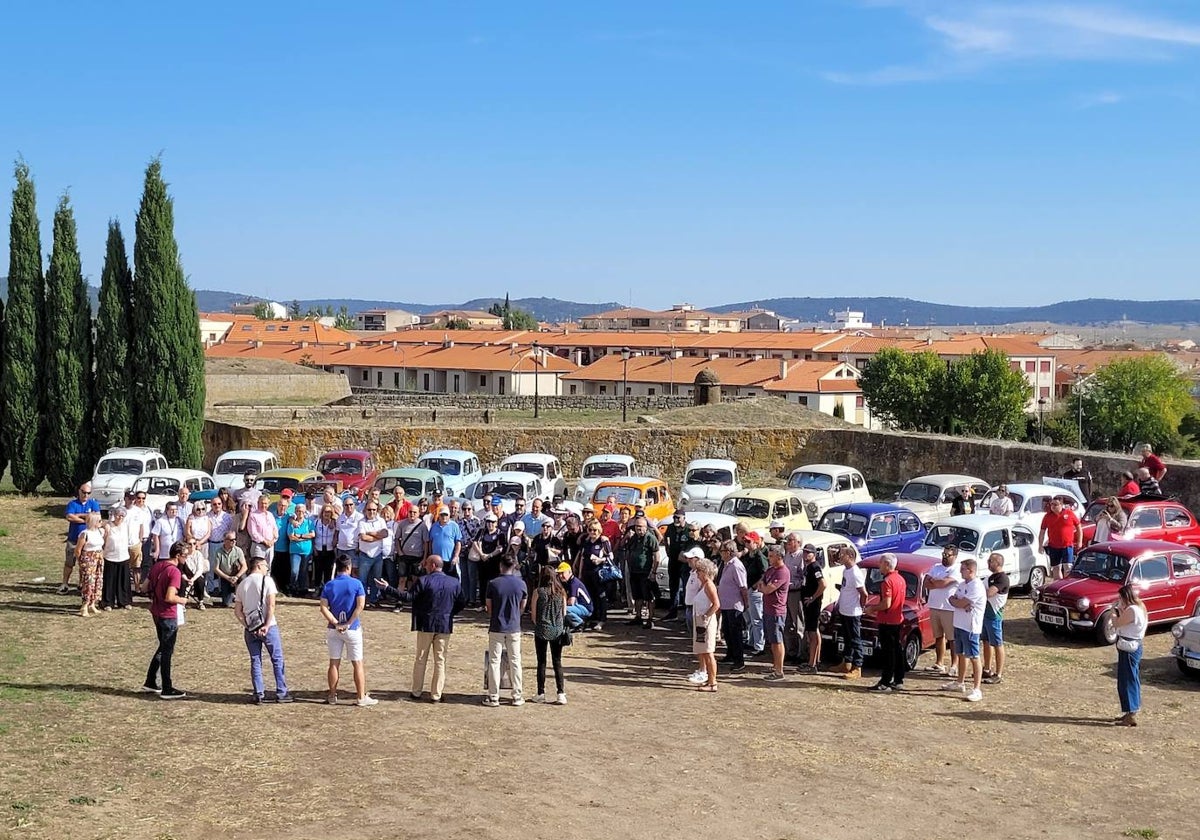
{"points": [[774, 589], [941, 582], [342, 601], [812, 596], [1061, 536], [968, 600], [993, 620]]}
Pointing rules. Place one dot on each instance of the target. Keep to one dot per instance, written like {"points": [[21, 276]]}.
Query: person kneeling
{"points": [[579, 600]]}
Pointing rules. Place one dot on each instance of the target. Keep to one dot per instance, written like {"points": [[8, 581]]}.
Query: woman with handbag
{"points": [[594, 565], [705, 607], [1129, 620], [1110, 522], [549, 609]]}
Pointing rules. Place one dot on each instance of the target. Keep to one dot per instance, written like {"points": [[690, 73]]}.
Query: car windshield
{"points": [[522, 466], [843, 522], [746, 507], [340, 466], [919, 491], [273, 484], [604, 469], [1101, 564], [120, 466], [811, 481], [720, 478], [159, 486], [986, 502], [503, 489], [943, 535], [623, 495], [445, 466], [875, 582], [236, 466], [1093, 510], [408, 486]]}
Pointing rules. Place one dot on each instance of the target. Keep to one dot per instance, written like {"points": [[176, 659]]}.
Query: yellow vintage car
{"points": [[652, 494], [757, 507], [273, 482]]}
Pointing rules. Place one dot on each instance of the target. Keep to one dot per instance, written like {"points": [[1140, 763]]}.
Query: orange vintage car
{"points": [[652, 494]]}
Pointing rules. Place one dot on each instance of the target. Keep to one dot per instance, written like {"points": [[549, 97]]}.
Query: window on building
{"points": [[1014, 365], [457, 385], [366, 376], [643, 323], [573, 386], [483, 380], [1045, 366], [650, 391], [501, 385], [859, 402], [425, 381], [1030, 367], [378, 379], [801, 399], [1044, 392], [628, 391], [270, 328], [305, 328], [603, 389], [396, 379]]}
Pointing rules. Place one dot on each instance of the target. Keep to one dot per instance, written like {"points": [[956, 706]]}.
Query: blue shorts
{"points": [[1061, 556], [773, 629], [966, 643], [993, 631]]}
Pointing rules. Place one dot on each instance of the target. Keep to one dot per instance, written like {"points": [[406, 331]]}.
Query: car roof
{"points": [[760, 493], [869, 508], [531, 456], [289, 472], [174, 472], [711, 463], [408, 472], [508, 475], [1031, 488], [978, 521], [629, 481], [461, 454], [1130, 501], [704, 517], [832, 468], [948, 478], [131, 450], [822, 539], [919, 563], [346, 453], [1136, 548], [610, 458], [260, 454]]}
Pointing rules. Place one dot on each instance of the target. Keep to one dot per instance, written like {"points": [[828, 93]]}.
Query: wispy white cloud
{"points": [[1100, 100], [971, 36]]}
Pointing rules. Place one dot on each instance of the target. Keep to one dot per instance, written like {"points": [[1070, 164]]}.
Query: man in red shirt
{"points": [[1061, 536], [163, 585], [1153, 463], [889, 619]]}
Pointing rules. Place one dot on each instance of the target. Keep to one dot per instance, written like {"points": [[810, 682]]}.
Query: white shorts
{"points": [[345, 645]]}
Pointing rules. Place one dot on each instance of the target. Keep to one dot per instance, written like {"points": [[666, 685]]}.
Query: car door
{"points": [[883, 533], [1185, 570], [841, 489], [1145, 524], [997, 540], [1024, 545], [911, 533], [1176, 523], [858, 488], [1152, 578]]}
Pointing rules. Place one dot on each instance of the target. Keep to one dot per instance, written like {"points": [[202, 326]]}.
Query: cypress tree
{"points": [[113, 391], [20, 382], [169, 409], [68, 360], [3, 451]]}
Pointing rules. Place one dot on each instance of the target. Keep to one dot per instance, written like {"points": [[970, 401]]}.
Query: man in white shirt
{"points": [[166, 531], [940, 583], [255, 609], [347, 531], [969, 600], [138, 522], [328, 497], [851, 597], [372, 536], [1002, 504]]}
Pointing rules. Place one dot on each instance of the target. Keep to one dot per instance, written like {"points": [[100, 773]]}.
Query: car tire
{"points": [[1048, 629], [1037, 578], [1105, 632], [912, 650], [1190, 673]]}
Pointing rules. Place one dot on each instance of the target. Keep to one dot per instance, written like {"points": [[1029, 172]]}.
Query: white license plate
{"points": [[1193, 663], [1054, 619]]}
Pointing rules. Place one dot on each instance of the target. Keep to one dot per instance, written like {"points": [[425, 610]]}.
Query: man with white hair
{"points": [[889, 618], [77, 512]]}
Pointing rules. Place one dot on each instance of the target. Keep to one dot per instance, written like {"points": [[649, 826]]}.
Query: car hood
{"points": [[588, 485], [918, 507], [809, 494], [113, 480], [1069, 589]]}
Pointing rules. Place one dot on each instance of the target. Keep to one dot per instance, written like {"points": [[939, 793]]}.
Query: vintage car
{"points": [[296, 479], [1149, 518], [706, 481], [1186, 649], [917, 633], [756, 507], [355, 468], [458, 468], [599, 467], [875, 527], [977, 535], [118, 468], [162, 486], [549, 473], [411, 482], [1030, 501], [930, 496], [651, 494], [1165, 574], [821, 486], [510, 486], [232, 466], [828, 545]]}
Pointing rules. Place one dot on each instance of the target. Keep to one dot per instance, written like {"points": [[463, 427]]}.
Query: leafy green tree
{"points": [[263, 311], [169, 410], [905, 390], [985, 397], [21, 360], [68, 360], [344, 320], [294, 310], [511, 317], [113, 397], [1131, 401], [3, 451]]}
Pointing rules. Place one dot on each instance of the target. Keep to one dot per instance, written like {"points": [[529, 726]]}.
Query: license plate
{"points": [[1193, 663], [841, 645], [1053, 619]]}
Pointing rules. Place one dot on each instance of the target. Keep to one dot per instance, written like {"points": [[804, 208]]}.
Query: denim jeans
{"points": [[577, 614], [370, 568], [470, 580], [1129, 680], [754, 621], [852, 637], [274, 646], [299, 580], [167, 630]]}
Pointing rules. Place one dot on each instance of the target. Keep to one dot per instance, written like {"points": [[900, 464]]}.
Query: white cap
{"points": [[695, 551], [777, 523]]}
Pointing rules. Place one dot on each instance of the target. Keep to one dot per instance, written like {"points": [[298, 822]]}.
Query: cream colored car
{"points": [[757, 507]]}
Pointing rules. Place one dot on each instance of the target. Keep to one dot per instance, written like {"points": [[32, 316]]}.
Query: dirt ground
{"points": [[634, 754]]}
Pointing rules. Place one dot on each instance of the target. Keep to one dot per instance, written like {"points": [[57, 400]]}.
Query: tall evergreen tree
{"points": [[68, 359], [3, 451], [20, 380], [169, 409], [112, 394]]}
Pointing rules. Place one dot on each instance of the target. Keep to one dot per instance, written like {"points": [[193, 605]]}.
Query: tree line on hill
{"points": [[73, 385]]}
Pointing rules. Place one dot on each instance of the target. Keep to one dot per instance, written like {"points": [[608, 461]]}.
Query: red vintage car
{"points": [[354, 468], [1150, 518], [917, 633], [1166, 575]]}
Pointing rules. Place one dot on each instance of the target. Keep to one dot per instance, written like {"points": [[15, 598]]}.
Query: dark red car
{"points": [[1166, 575], [917, 633], [354, 468], [1150, 518]]}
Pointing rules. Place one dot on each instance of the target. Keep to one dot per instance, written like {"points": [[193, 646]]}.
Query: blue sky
{"points": [[1000, 152]]}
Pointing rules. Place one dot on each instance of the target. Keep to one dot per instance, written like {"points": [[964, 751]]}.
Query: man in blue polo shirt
{"points": [[77, 511], [342, 601], [445, 540], [579, 600]]}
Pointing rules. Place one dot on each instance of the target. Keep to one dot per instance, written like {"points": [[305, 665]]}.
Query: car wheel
{"points": [[1106, 633], [1048, 629], [1037, 578], [912, 650], [1190, 673]]}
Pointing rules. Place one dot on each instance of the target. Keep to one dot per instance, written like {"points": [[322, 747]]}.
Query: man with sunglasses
{"points": [[445, 540], [507, 520], [77, 513], [679, 537], [137, 524], [372, 533], [245, 500]]}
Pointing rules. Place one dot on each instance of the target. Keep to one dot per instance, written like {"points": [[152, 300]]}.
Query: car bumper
{"points": [[1186, 655], [1056, 615]]}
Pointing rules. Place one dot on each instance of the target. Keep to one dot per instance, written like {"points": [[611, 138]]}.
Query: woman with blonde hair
{"points": [[89, 557], [1129, 620], [116, 592], [705, 606]]}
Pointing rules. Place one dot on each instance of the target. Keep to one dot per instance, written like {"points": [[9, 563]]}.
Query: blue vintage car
{"points": [[459, 469], [875, 527]]}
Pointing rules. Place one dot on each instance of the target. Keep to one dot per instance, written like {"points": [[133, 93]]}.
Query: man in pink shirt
{"points": [[774, 588], [262, 528]]}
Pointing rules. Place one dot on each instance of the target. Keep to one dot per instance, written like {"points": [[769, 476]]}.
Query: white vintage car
{"points": [[1186, 649], [599, 467], [707, 481], [977, 535], [930, 496], [821, 486]]}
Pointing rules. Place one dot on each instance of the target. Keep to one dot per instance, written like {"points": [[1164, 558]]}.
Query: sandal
{"points": [[709, 688]]}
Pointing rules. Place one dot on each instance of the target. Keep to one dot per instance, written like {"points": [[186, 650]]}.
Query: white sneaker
{"points": [[561, 700], [367, 701], [488, 701], [697, 677], [538, 698], [518, 701], [954, 686], [975, 696]]}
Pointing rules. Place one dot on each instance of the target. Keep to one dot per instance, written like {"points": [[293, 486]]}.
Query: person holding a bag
{"points": [[1129, 620], [595, 566], [549, 610], [255, 609], [705, 605]]}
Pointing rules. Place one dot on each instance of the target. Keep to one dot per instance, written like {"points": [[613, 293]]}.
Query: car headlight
{"points": [[811, 507], [1082, 604], [1177, 631]]}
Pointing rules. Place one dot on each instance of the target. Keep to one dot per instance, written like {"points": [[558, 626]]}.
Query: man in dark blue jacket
{"points": [[436, 598]]}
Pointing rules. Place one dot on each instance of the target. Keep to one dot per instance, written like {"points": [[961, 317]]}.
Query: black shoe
{"points": [[881, 688], [634, 622], [284, 698], [258, 700], [151, 689], [737, 669], [647, 624], [172, 694], [761, 654]]}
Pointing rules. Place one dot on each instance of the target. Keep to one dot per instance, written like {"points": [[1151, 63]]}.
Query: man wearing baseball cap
{"points": [[775, 531], [579, 601]]}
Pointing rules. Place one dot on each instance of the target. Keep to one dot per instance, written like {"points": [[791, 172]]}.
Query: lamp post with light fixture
{"points": [[536, 350], [624, 384], [1041, 403]]}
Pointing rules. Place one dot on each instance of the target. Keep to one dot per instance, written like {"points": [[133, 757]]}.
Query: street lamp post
{"points": [[536, 348], [1079, 400], [1041, 419], [624, 384]]}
